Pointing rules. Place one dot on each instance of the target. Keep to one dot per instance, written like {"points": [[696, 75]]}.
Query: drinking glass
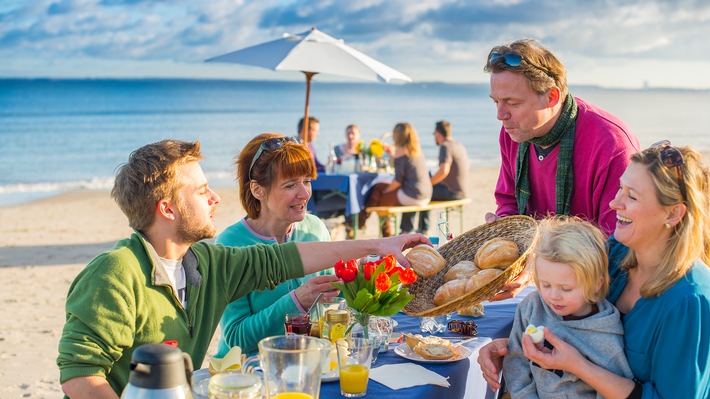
{"points": [[292, 366], [354, 359], [297, 323]]}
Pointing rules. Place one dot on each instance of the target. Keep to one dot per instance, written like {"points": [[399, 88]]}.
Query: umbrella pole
{"points": [[306, 132]]}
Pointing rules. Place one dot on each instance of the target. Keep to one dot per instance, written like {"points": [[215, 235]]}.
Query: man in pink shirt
{"points": [[560, 154]]}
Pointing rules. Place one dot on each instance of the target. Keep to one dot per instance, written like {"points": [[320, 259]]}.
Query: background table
{"points": [[464, 375], [344, 192]]}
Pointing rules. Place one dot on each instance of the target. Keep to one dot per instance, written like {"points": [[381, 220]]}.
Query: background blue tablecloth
{"points": [[343, 192]]}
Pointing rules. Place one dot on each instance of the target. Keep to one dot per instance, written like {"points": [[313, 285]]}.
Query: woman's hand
{"points": [[562, 357], [395, 245], [308, 292], [490, 358]]}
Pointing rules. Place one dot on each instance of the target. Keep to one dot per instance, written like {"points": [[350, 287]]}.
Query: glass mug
{"points": [[292, 366]]}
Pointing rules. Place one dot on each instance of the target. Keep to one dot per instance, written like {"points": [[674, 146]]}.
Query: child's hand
{"points": [[563, 357]]}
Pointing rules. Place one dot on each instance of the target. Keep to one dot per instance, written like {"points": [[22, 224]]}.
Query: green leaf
{"points": [[362, 299]]}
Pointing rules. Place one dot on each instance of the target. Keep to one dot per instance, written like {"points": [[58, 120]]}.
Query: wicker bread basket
{"points": [[520, 229]]}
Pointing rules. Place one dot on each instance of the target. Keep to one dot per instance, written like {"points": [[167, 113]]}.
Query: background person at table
{"points": [[274, 191], [570, 272], [163, 283], [313, 130], [559, 154], [660, 282], [450, 182], [348, 150], [411, 184]]}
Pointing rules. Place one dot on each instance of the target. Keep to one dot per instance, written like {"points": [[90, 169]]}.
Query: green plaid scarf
{"points": [[563, 131]]}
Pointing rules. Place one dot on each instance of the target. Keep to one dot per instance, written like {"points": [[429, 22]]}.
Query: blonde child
{"points": [[570, 263]]}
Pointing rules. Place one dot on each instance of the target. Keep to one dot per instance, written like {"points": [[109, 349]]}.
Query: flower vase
{"points": [[361, 325], [373, 164]]}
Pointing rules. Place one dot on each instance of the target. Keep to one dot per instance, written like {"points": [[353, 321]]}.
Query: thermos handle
{"points": [[188, 368]]}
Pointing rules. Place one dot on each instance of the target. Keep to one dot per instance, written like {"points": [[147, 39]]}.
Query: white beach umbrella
{"points": [[313, 52]]}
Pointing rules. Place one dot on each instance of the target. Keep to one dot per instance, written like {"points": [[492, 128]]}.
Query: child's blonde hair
{"points": [[579, 244]]}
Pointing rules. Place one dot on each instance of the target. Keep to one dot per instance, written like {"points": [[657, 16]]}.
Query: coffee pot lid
{"points": [[158, 366]]}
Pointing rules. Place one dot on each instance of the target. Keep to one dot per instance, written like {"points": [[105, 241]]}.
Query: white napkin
{"points": [[405, 375]]}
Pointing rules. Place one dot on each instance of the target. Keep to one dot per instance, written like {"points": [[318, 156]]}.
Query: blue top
{"points": [[668, 336], [260, 314]]}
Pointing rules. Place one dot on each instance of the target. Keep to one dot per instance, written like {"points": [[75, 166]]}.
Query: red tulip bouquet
{"points": [[376, 289]]}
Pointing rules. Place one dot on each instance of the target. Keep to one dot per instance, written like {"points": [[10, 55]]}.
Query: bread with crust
{"points": [[464, 269], [481, 278], [425, 260], [496, 253], [450, 291]]}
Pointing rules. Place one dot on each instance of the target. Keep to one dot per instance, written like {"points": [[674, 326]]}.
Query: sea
{"points": [[58, 135]]}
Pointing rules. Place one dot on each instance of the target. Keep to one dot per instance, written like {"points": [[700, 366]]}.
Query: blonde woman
{"points": [[411, 184], [659, 281]]}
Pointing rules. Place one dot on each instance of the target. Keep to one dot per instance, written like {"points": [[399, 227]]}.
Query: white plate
{"points": [[331, 376], [460, 353]]}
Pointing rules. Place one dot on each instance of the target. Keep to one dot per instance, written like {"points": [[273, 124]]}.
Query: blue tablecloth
{"points": [[343, 192], [464, 375]]}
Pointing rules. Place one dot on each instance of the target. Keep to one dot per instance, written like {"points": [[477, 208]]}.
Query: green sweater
{"points": [[121, 301]]}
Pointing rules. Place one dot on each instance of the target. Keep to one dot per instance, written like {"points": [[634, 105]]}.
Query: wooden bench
{"points": [[386, 212]]}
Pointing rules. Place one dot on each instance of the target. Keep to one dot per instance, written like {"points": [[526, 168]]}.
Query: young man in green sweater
{"points": [[163, 283]]}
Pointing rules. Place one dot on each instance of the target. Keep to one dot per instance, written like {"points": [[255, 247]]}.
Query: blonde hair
{"points": [[289, 161], [690, 238], [542, 68], [150, 176], [579, 244], [406, 137]]}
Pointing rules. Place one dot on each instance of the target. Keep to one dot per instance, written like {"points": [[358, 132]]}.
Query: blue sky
{"points": [[609, 43]]}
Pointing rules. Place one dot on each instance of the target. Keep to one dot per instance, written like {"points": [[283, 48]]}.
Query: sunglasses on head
{"points": [[671, 157], [514, 60], [271, 144]]}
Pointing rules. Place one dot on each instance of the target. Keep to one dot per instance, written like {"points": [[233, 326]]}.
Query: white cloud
{"points": [[607, 43]]}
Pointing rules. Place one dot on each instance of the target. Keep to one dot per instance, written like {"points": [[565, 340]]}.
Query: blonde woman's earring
{"points": [[667, 225]]}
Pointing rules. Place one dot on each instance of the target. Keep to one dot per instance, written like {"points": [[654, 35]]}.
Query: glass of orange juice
{"points": [[292, 366], [354, 360]]}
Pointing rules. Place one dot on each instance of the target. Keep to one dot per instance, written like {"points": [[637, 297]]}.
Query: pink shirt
{"points": [[603, 145]]}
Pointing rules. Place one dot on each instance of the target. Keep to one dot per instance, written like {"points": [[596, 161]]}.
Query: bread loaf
{"points": [[434, 351], [496, 253], [425, 260], [450, 291], [464, 269], [480, 279]]}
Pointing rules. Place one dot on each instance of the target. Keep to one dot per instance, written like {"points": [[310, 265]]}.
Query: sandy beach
{"points": [[44, 245]]}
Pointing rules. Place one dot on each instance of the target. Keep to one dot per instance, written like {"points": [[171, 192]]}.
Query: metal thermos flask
{"points": [[159, 371]]}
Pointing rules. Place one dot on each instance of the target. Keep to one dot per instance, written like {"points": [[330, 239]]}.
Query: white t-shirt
{"points": [[176, 274]]}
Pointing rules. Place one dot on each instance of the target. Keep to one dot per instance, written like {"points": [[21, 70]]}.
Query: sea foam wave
{"points": [[96, 183]]}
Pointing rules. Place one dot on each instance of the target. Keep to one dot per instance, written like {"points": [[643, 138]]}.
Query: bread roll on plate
{"points": [[425, 260], [434, 351], [464, 269], [497, 253], [450, 291]]}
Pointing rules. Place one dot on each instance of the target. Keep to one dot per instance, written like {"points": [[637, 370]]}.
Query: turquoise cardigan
{"points": [[261, 314], [667, 338]]}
